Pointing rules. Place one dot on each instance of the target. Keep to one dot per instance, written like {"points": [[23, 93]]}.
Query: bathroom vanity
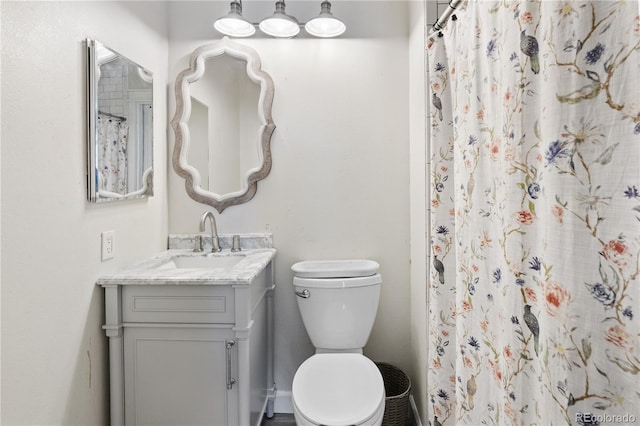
{"points": [[191, 335]]}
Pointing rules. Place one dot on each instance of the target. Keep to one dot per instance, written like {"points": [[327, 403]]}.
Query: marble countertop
{"points": [[161, 270], [247, 241]]}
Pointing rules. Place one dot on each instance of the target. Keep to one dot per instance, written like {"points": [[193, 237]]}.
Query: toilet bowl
{"points": [[338, 386], [338, 390]]}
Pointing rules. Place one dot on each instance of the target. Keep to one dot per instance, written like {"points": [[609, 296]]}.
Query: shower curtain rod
{"points": [[113, 116], [453, 4]]}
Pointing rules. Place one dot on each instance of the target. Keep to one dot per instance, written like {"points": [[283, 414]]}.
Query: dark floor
{"points": [[279, 419]]}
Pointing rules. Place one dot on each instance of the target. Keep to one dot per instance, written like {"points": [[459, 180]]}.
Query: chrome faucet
{"points": [[215, 243]]}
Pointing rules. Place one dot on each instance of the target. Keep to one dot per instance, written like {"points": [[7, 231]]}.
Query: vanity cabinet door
{"points": [[178, 376]]}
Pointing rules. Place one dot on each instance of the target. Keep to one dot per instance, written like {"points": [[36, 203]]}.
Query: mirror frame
{"points": [[180, 123], [94, 194]]}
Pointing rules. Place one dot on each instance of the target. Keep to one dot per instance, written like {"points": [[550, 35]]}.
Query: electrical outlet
{"points": [[108, 246]]}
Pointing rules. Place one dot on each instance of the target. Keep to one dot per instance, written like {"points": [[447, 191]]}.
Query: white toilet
{"points": [[338, 386]]}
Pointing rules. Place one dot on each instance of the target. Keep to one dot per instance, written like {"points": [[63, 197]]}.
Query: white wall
{"points": [[54, 360], [417, 102], [339, 187]]}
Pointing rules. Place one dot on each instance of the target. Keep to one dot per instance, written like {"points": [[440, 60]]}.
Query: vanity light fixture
{"points": [[280, 25], [325, 25], [234, 24]]}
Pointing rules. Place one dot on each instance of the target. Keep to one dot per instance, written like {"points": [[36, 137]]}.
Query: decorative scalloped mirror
{"points": [[223, 124]]}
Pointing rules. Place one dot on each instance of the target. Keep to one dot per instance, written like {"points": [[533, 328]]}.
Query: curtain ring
{"points": [[454, 17]]}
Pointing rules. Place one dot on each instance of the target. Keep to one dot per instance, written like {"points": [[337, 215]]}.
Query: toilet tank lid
{"points": [[348, 268]]}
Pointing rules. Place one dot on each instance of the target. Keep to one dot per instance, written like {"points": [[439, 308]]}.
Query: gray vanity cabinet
{"points": [[177, 376], [183, 354]]}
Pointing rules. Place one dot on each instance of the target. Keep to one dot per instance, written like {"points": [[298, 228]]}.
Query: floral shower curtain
{"points": [[534, 294], [112, 158]]}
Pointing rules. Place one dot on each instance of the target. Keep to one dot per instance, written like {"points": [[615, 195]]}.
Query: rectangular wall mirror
{"points": [[119, 125]]}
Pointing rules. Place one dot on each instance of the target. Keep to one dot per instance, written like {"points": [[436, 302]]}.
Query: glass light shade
{"points": [[233, 24], [234, 27], [280, 26], [325, 24]]}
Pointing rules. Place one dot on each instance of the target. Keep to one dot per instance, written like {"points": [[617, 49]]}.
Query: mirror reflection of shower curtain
{"points": [[112, 154], [139, 157]]}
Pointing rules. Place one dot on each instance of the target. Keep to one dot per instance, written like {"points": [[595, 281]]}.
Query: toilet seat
{"points": [[338, 389]]}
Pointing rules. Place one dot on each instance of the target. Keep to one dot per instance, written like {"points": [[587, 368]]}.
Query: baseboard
{"points": [[283, 402], [415, 416]]}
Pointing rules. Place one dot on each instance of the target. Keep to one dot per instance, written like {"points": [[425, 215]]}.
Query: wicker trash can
{"points": [[397, 386]]}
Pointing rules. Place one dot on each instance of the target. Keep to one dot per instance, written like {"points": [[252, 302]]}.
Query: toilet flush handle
{"points": [[305, 294]]}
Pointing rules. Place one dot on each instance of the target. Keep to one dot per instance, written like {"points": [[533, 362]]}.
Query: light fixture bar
{"points": [[280, 24]]}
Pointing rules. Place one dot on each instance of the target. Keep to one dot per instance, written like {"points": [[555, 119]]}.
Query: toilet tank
{"points": [[338, 313]]}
